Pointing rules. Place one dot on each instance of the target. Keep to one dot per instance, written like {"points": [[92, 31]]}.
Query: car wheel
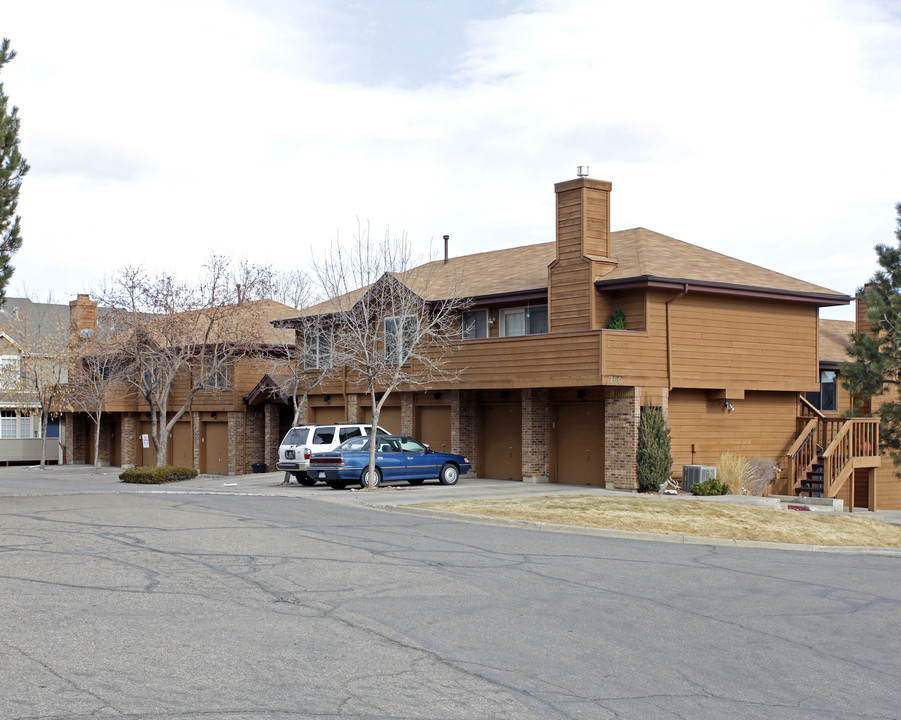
{"points": [[337, 484], [449, 474], [364, 478], [305, 479], [416, 481]]}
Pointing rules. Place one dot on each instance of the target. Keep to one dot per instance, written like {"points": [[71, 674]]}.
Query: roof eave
{"points": [[749, 291]]}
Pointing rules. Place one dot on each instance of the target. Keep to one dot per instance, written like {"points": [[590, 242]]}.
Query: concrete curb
{"points": [[634, 535]]}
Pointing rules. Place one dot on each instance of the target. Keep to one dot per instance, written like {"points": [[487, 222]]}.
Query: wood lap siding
{"points": [[762, 425], [725, 342], [552, 360]]}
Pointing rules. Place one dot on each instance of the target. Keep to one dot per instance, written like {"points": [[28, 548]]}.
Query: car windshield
{"points": [[354, 445], [296, 436]]}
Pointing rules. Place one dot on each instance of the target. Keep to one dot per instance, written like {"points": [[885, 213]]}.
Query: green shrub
{"points": [[618, 321], [157, 475], [654, 461], [712, 486]]}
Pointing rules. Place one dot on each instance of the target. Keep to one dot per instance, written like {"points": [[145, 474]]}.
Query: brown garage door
{"points": [[214, 441], [433, 427], [328, 415], [580, 444], [182, 443], [502, 441], [389, 419], [146, 456]]}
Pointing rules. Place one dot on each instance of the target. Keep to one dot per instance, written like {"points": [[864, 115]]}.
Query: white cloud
{"points": [[161, 132]]}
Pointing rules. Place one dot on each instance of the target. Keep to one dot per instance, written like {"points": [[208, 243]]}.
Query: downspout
{"points": [[669, 338]]}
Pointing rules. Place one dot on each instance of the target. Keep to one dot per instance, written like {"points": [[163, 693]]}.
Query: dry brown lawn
{"points": [[672, 516]]}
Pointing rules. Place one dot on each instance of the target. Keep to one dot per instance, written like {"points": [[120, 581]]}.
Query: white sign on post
{"points": [[145, 440]]}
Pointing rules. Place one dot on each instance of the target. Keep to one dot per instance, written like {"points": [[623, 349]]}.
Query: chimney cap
{"points": [[582, 171]]}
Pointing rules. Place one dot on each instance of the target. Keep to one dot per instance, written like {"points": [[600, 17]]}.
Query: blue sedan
{"points": [[397, 457]]}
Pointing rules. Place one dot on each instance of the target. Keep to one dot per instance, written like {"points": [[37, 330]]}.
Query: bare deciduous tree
{"points": [[393, 322], [178, 332], [99, 367]]}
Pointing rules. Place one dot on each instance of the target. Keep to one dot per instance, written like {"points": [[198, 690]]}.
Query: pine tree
{"points": [[876, 353], [12, 169], [655, 460]]}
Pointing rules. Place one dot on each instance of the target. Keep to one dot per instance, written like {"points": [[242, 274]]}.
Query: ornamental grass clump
{"points": [[157, 475], [745, 476], [735, 472]]}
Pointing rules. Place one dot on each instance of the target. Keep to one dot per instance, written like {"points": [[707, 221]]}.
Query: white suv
{"points": [[304, 440]]}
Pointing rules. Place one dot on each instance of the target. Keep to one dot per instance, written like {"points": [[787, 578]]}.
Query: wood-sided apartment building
{"points": [[549, 394], [221, 433]]}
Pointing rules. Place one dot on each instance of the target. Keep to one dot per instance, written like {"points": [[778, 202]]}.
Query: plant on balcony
{"points": [[655, 459], [618, 321]]}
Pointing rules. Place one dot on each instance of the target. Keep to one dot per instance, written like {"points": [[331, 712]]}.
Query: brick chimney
{"points": [[583, 255], [83, 315]]}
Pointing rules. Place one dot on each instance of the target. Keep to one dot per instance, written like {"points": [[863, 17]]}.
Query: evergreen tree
{"points": [[12, 169], [876, 366], [655, 460]]}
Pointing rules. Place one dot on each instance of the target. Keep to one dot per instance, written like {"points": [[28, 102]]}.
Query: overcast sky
{"points": [[160, 131]]}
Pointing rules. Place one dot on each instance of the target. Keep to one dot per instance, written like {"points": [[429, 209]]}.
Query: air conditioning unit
{"points": [[692, 474]]}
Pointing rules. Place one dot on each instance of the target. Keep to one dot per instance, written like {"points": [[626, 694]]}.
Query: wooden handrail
{"points": [[807, 404], [858, 438], [801, 454]]}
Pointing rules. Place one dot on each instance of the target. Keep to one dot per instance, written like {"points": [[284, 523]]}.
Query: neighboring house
{"points": [[30, 332], [549, 394], [219, 434]]}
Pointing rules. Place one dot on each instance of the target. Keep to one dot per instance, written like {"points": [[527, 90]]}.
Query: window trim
{"points": [[526, 311], [482, 312], [392, 357], [321, 354]]}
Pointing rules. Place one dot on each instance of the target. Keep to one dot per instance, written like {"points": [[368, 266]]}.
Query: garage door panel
{"points": [[216, 448], [389, 419], [328, 415], [580, 444], [433, 427], [502, 441]]}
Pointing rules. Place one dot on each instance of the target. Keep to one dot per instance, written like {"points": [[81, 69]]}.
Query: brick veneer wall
{"points": [[463, 424], [76, 433], [353, 407], [272, 435], [236, 426], [622, 414], [407, 413], [195, 438], [622, 410], [535, 435], [255, 437], [128, 433]]}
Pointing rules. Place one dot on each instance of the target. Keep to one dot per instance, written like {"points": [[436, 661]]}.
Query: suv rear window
{"points": [[296, 436], [346, 433], [324, 435]]}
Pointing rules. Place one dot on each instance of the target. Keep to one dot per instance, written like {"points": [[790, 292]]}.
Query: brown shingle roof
{"points": [[833, 340], [638, 252]]}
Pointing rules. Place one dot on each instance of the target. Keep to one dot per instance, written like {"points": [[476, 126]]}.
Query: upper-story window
{"points": [[9, 371], [317, 349], [399, 335], [826, 400], [529, 320], [475, 324]]}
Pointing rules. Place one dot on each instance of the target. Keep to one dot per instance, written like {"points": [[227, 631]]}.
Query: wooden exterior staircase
{"points": [[828, 451]]}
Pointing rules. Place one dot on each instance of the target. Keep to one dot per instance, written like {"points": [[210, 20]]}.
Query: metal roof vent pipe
{"points": [[582, 171], [446, 238]]}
